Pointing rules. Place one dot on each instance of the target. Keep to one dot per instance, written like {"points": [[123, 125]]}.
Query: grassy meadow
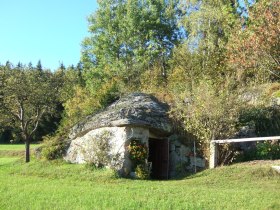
{"points": [[58, 185], [15, 147], [14, 150]]}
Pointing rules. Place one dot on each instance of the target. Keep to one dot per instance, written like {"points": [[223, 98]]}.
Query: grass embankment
{"points": [[57, 185]]}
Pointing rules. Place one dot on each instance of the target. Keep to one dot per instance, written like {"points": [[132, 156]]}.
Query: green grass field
{"points": [[15, 147], [58, 185], [14, 150]]}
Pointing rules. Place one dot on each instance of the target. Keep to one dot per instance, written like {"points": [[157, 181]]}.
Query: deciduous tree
{"points": [[254, 51], [127, 38], [26, 96]]}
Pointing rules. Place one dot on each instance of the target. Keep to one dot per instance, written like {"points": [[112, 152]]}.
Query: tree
{"points": [[127, 38], [62, 67], [26, 97], [204, 95], [253, 51], [209, 24], [39, 66], [208, 112], [30, 65]]}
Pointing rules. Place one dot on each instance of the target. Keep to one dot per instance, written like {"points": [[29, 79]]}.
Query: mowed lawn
{"points": [[58, 185]]}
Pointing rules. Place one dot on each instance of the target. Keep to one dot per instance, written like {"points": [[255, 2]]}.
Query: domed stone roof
{"points": [[136, 109]]}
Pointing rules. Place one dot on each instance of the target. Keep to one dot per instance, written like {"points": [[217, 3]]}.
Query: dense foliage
{"points": [[138, 151], [27, 95], [31, 100], [128, 38], [216, 63]]}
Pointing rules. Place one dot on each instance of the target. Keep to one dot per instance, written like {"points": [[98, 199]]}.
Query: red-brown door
{"points": [[159, 156]]}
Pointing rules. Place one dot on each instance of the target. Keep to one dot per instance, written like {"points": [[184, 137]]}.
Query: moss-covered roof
{"points": [[136, 109]]}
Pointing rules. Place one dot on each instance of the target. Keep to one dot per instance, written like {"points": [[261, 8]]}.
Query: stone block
{"points": [[199, 162]]}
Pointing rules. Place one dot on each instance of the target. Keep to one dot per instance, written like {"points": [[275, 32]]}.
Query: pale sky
{"points": [[49, 30]]}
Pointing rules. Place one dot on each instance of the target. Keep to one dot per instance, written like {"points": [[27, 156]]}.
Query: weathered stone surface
{"points": [[136, 116], [178, 160], [246, 132], [136, 109], [83, 149], [276, 168], [275, 101], [198, 162]]}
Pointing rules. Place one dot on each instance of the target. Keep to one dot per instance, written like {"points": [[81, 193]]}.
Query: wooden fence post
{"points": [[213, 155]]}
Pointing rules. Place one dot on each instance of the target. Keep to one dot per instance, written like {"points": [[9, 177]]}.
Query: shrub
{"points": [[208, 110], [54, 147], [138, 152], [265, 120], [268, 150], [142, 171]]}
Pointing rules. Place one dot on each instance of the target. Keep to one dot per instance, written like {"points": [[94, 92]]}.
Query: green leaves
{"points": [[128, 37], [27, 95], [254, 51]]}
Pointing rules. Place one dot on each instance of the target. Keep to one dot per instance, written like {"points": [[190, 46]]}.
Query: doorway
{"points": [[159, 157]]}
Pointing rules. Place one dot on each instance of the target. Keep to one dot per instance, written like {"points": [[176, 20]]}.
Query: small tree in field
{"points": [[26, 95]]}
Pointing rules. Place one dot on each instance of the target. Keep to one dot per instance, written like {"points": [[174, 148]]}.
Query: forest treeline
{"points": [[216, 63]]}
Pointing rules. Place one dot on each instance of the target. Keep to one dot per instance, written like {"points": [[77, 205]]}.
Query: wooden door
{"points": [[159, 156]]}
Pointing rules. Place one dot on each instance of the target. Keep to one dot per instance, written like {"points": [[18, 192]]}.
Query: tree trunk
{"points": [[27, 151]]}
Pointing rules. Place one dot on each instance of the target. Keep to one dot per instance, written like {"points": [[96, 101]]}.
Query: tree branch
{"points": [[37, 119]]}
